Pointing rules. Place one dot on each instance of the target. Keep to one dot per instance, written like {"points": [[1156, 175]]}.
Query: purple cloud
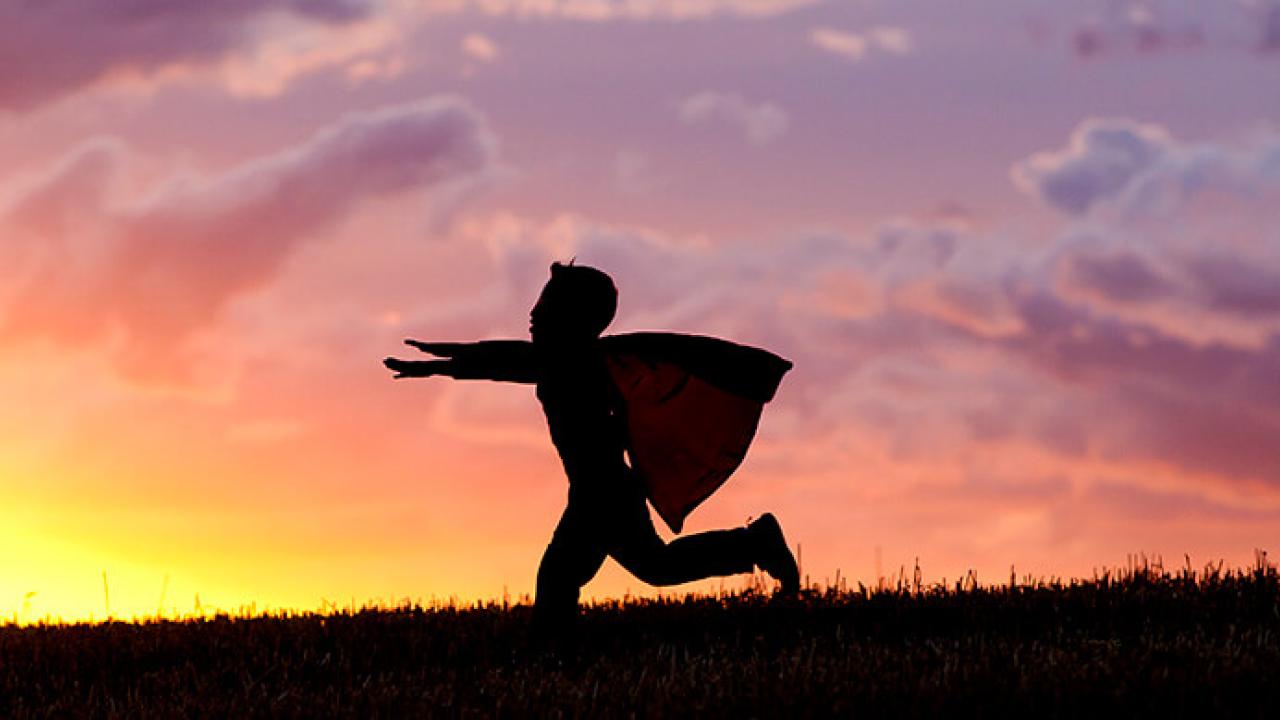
{"points": [[1101, 160], [1185, 229], [1137, 36], [1138, 28], [1117, 276], [1271, 28], [1108, 345], [1235, 285]]}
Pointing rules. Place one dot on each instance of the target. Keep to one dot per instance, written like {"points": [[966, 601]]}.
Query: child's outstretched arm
{"points": [[501, 360], [416, 368]]}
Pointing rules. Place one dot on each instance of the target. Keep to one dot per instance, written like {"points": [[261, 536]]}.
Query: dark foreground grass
{"points": [[1144, 642]]}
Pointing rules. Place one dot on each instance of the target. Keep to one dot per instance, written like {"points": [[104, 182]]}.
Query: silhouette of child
{"points": [[606, 514]]}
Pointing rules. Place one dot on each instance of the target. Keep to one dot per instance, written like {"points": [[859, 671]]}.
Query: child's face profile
{"points": [[576, 304], [549, 319]]}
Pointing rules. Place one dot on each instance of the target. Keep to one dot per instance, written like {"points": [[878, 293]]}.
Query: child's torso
{"points": [[579, 400]]}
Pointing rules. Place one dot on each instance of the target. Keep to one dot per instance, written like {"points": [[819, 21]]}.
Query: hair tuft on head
{"points": [[595, 297]]}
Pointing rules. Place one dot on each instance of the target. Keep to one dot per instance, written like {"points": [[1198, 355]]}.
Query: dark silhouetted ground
{"points": [[1146, 642]]}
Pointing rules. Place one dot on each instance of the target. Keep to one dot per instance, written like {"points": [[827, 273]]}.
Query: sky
{"points": [[1025, 256]]}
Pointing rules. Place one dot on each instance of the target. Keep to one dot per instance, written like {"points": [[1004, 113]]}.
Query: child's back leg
{"points": [[571, 559], [715, 553]]}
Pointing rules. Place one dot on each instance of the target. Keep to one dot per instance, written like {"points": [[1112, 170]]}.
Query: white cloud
{"points": [[760, 123], [855, 46]]}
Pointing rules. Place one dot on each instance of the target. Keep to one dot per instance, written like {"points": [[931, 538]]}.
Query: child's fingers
{"points": [[400, 367], [439, 349]]}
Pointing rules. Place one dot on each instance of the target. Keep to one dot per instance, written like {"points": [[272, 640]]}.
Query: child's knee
{"points": [[653, 567]]}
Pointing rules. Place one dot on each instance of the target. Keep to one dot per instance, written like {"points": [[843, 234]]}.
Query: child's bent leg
{"points": [[638, 548]]}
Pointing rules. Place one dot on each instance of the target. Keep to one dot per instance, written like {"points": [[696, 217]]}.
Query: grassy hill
{"points": [[1143, 641]]}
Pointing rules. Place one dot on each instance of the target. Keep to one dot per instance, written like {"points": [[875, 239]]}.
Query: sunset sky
{"points": [[1024, 254]]}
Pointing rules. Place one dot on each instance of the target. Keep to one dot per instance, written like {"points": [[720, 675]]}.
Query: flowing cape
{"points": [[690, 403], [691, 406]]}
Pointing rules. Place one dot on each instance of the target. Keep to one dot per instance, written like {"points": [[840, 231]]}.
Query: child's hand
{"points": [[410, 368], [399, 367], [434, 348]]}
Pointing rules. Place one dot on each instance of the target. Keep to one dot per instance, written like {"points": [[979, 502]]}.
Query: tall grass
{"points": [[1143, 640]]}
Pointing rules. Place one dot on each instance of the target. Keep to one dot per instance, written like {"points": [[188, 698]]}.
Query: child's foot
{"points": [[772, 554]]}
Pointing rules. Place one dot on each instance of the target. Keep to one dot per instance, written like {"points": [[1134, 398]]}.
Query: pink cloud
{"points": [[480, 48], [609, 10], [158, 270], [49, 49], [1155, 396]]}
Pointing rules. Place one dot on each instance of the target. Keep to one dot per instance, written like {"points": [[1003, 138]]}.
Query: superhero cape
{"points": [[691, 405]]}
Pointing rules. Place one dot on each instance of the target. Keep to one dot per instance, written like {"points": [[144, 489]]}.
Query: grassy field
{"points": [[1144, 642]]}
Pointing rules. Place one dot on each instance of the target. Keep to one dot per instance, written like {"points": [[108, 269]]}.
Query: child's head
{"points": [[578, 302]]}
